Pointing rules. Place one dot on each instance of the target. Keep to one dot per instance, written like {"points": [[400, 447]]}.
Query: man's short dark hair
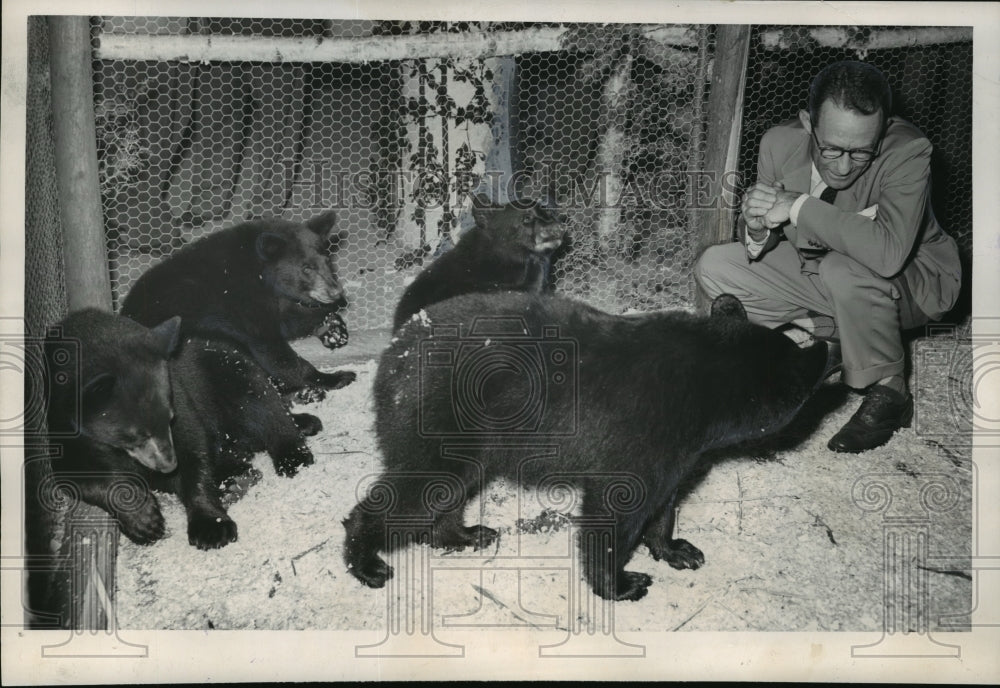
{"points": [[852, 85]]}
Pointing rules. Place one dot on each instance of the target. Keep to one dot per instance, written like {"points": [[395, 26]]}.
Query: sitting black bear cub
{"points": [[627, 401], [139, 407], [300, 318], [509, 248], [257, 285]]}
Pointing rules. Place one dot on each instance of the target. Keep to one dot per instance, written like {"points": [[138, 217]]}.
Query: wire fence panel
{"points": [[618, 128], [45, 303], [606, 121]]}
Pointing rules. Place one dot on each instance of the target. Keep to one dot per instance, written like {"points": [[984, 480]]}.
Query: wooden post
{"points": [[87, 280], [91, 534], [714, 216], [697, 125]]}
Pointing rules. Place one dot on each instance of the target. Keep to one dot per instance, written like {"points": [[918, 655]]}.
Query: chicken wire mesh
{"points": [[186, 148], [616, 127], [609, 124], [396, 145], [44, 299], [45, 304], [932, 89]]}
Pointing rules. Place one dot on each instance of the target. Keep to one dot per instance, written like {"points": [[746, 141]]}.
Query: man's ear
{"points": [[806, 120]]}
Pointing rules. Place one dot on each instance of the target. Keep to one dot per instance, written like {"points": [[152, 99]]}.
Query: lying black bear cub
{"points": [[257, 285], [509, 248], [142, 407], [628, 402]]}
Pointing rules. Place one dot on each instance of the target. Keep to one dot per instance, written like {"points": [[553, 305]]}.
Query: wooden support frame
{"points": [[199, 48], [88, 284], [87, 279], [714, 209]]}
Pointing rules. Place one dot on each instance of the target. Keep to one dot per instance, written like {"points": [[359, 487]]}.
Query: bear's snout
{"points": [[156, 454], [548, 238], [327, 293]]}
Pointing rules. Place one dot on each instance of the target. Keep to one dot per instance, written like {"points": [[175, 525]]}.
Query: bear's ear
{"points": [[322, 224], [167, 335], [98, 390], [550, 215], [270, 245], [728, 306], [482, 208]]}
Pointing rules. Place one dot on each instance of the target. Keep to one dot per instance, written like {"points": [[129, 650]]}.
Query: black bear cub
{"points": [[139, 409], [257, 285], [509, 248], [624, 404], [300, 318]]}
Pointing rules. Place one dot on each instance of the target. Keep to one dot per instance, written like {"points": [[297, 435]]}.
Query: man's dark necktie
{"points": [[828, 195]]}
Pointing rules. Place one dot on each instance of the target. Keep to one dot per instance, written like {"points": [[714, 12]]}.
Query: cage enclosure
{"points": [[642, 135]]}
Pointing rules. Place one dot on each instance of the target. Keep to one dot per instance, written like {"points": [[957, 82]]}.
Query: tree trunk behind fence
{"points": [[611, 156]]}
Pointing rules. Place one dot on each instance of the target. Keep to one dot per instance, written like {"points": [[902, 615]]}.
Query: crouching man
{"points": [[837, 236]]}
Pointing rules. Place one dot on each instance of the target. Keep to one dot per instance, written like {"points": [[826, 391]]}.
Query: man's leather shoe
{"points": [[883, 411]]}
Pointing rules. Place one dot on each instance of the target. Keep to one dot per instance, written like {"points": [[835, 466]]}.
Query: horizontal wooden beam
{"points": [[202, 48], [836, 37]]}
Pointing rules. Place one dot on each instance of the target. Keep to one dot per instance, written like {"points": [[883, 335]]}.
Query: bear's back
{"points": [[657, 383], [195, 278]]}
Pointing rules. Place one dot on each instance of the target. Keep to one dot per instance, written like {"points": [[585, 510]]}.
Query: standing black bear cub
{"points": [[258, 285], [630, 402], [139, 407], [509, 248]]}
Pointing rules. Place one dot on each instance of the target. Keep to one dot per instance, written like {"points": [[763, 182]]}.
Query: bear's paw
{"points": [[211, 531], [679, 554], [307, 423], [333, 332], [144, 525], [336, 380], [287, 463]]}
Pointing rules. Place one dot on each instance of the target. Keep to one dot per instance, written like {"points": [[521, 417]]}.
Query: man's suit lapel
{"points": [[796, 170], [796, 173], [856, 197]]}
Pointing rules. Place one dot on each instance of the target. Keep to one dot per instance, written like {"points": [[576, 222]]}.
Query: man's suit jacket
{"points": [[903, 239]]}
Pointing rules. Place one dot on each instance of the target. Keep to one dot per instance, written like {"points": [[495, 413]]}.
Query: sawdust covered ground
{"points": [[795, 537]]}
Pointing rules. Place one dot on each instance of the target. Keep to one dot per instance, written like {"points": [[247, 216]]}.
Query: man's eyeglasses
{"points": [[834, 153]]}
